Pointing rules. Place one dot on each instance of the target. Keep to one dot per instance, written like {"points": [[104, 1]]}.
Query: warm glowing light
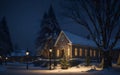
{"points": [[76, 52], [27, 53], [50, 50], [68, 52], [80, 51], [58, 53], [91, 53], [85, 52], [94, 53]]}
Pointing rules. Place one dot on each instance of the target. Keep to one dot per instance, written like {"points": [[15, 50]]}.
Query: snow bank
{"points": [[79, 68], [2, 68], [109, 71]]}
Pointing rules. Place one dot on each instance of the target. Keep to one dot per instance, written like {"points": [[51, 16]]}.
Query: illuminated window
{"points": [[85, 52], [68, 52], [80, 52], [75, 51], [91, 53], [58, 53], [94, 53]]}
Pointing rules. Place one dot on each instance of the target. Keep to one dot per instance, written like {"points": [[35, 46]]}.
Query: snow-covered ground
{"points": [[80, 69], [2, 68]]}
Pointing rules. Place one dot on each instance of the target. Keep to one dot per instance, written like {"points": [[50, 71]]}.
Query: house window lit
{"points": [[58, 53], [68, 52], [85, 52], [75, 51], [80, 52], [94, 53], [90, 53]]}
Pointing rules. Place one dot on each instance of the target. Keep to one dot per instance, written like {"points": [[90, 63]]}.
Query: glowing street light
{"points": [[6, 58], [50, 50], [27, 53], [0, 60]]}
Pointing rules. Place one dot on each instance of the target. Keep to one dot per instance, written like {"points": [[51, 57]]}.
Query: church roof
{"points": [[75, 39]]}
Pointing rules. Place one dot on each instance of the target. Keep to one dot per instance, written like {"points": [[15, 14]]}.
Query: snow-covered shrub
{"points": [[64, 63]]}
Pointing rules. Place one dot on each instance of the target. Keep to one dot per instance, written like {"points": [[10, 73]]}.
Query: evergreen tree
{"points": [[49, 29], [5, 40]]}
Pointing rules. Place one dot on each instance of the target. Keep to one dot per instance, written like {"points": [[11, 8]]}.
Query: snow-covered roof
{"points": [[18, 53], [75, 39]]}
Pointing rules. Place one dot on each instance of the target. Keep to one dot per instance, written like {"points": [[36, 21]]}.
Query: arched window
{"points": [[76, 52], [94, 53], [58, 53], [90, 53], [80, 52], [68, 51], [85, 52]]}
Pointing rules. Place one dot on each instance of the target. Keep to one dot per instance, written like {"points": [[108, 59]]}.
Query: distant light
{"points": [[0, 57], [6, 58]]}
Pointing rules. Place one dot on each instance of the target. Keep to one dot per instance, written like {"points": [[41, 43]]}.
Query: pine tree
{"points": [[49, 30], [5, 40]]}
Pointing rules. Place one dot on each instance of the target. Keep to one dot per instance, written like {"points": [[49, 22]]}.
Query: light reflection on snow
{"points": [[70, 70]]}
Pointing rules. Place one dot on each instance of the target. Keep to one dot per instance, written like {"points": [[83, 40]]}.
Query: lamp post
{"points": [[0, 60], [6, 60], [50, 51], [27, 53]]}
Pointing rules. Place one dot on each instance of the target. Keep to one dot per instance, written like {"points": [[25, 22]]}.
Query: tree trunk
{"points": [[107, 59]]}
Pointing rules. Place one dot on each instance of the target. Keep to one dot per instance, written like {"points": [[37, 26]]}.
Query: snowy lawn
{"points": [[3, 68], [80, 69]]}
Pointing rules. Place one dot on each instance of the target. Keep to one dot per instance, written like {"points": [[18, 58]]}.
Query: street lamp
{"points": [[50, 50], [0, 60], [27, 53], [6, 60]]}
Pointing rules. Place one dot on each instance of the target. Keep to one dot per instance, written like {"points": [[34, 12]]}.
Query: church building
{"points": [[72, 46]]}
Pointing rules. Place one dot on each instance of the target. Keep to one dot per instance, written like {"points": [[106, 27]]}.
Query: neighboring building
{"points": [[18, 53], [17, 56]]}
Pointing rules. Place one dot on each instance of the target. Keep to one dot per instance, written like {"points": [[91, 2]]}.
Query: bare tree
{"points": [[101, 18]]}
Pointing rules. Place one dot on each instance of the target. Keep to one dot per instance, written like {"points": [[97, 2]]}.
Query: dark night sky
{"points": [[24, 17]]}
